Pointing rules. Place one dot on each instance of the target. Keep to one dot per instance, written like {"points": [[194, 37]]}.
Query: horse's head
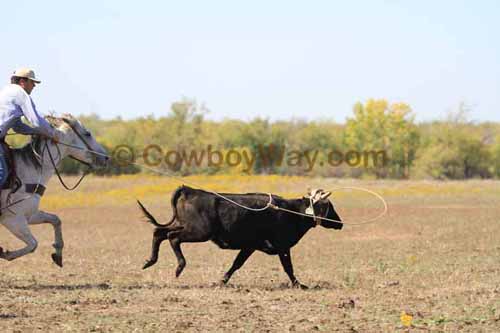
{"points": [[82, 144]]}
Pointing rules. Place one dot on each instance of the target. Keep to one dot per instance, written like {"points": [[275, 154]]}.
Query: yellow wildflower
{"points": [[406, 319]]}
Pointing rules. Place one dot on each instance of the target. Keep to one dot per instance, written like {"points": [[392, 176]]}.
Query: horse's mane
{"points": [[26, 151]]}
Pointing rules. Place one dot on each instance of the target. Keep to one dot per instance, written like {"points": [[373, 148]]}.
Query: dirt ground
{"points": [[431, 264]]}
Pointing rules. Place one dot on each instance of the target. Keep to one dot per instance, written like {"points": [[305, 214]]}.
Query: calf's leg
{"points": [[175, 242], [159, 235], [199, 233], [286, 262], [242, 256]]}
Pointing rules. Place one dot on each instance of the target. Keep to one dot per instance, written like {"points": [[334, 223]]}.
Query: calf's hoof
{"points": [[224, 281], [148, 263], [1, 252], [57, 259], [299, 285], [178, 271]]}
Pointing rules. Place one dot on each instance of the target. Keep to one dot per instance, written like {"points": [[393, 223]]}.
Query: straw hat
{"points": [[26, 73]]}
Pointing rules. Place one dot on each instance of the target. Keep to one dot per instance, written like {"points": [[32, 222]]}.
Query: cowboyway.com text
{"points": [[264, 155]]}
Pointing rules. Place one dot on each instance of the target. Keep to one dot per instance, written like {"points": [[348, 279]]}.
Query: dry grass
{"points": [[435, 257]]}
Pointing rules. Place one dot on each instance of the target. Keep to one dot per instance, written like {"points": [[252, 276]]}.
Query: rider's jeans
{"points": [[3, 167]]}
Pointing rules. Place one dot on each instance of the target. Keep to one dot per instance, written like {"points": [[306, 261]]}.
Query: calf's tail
{"points": [[152, 219]]}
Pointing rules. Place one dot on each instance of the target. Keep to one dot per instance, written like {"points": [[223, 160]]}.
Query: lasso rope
{"points": [[269, 204], [372, 220]]}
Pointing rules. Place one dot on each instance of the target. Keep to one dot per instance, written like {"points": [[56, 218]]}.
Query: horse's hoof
{"points": [[57, 259], [1, 252]]}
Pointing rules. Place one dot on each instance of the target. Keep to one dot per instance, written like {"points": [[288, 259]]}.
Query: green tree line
{"points": [[379, 140]]}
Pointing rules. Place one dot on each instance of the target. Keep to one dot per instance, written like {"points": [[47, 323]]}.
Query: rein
{"points": [[89, 167], [59, 175]]}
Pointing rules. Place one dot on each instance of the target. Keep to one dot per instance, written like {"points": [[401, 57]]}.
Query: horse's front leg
{"points": [[55, 221], [18, 226]]}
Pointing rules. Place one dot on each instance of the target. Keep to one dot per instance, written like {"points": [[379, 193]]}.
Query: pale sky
{"points": [[273, 59]]}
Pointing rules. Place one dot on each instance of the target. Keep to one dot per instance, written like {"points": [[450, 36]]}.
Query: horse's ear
{"points": [[68, 118]]}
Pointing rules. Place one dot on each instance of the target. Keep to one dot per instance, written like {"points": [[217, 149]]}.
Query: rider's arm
{"points": [[32, 115], [22, 128]]}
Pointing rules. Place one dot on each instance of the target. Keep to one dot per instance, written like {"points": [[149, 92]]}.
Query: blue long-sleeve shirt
{"points": [[15, 103]]}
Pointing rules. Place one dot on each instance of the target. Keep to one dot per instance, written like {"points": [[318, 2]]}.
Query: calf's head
{"points": [[318, 205]]}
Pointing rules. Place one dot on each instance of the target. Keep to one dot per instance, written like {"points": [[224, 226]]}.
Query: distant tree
{"points": [[496, 160], [377, 126], [455, 149]]}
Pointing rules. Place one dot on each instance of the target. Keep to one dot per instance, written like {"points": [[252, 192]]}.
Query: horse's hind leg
{"points": [[43, 217], [18, 225]]}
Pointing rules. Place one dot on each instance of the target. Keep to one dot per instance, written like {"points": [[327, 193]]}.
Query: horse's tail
{"points": [[152, 219]]}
